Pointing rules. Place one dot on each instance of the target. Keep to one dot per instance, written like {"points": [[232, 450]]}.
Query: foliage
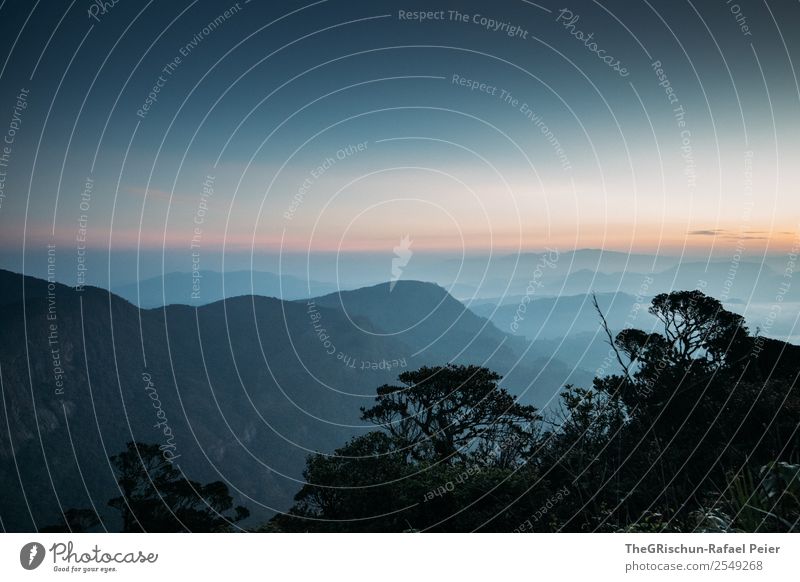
{"points": [[768, 502], [454, 414], [157, 497], [699, 402]]}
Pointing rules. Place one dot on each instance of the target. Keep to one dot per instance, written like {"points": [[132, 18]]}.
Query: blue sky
{"points": [[577, 155]]}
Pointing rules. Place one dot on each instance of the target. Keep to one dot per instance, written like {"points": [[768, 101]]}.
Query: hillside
{"points": [[248, 387]]}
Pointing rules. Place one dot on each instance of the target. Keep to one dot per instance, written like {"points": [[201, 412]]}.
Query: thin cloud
{"points": [[714, 232], [731, 234]]}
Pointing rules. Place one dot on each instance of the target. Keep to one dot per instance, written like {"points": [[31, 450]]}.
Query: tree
{"points": [[358, 484], [698, 338], [673, 442], [699, 348], [455, 413], [451, 437], [158, 497], [695, 402]]}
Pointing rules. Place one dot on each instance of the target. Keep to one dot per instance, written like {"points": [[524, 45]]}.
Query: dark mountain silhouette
{"points": [[418, 313], [209, 286], [424, 315], [246, 387]]}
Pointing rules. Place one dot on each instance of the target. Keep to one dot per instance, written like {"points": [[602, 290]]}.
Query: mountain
{"points": [[247, 387], [499, 275], [744, 280], [445, 330], [419, 313], [244, 385], [604, 261], [556, 317], [748, 279], [203, 287]]}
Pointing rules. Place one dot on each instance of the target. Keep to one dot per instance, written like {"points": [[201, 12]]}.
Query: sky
{"points": [[197, 128]]}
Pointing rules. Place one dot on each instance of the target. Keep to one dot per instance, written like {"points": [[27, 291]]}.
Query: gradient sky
{"points": [[278, 88]]}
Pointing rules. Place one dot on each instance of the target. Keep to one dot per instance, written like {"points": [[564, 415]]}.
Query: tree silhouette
{"points": [[450, 434], [451, 413], [698, 432], [158, 497]]}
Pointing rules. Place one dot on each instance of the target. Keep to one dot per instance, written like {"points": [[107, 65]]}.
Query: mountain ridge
{"points": [[248, 387]]}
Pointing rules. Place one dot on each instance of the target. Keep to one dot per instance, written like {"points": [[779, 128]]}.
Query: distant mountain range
{"points": [[203, 287], [554, 317], [483, 277], [248, 386]]}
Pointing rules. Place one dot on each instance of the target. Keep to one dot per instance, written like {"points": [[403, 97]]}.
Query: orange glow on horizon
{"points": [[625, 238]]}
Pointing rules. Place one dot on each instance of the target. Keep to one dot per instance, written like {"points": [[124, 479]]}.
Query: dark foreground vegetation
{"points": [[698, 432], [155, 496]]}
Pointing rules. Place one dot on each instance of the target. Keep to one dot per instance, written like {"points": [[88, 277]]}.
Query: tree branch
{"points": [[610, 337]]}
